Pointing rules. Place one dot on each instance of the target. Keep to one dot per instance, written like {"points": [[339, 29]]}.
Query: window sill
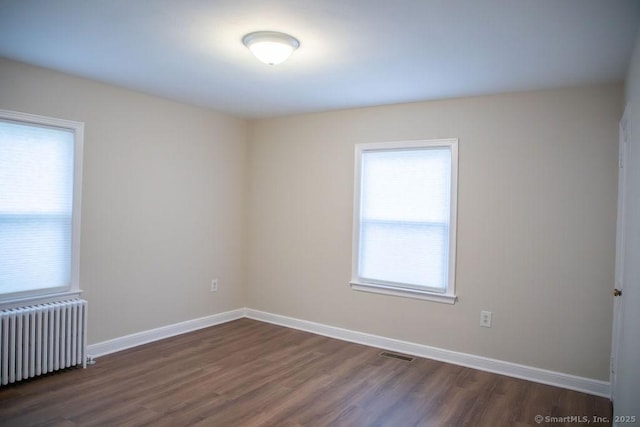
{"points": [[25, 301], [403, 292]]}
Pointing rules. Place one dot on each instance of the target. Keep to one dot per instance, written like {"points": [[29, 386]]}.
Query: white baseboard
{"points": [[134, 340], [558, 379]]}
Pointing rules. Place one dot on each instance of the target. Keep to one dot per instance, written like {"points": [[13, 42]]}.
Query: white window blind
{"points": [[37, 165], [404, 215]]}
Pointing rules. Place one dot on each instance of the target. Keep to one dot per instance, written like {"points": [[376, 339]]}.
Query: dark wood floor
{"points": [[248, 373]]}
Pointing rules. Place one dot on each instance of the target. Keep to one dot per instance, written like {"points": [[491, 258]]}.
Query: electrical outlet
{"points": [[214, 285], [485, 319]]}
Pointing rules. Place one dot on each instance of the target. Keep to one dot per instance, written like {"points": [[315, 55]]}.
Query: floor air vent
{"points": [[396, 356]]}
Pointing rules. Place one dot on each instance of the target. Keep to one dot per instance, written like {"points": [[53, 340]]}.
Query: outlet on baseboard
{"points": [[485, 319], [214, 285]]}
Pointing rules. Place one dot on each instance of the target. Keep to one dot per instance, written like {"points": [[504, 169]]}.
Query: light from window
{"points": [[39, 216], [404, 222]]}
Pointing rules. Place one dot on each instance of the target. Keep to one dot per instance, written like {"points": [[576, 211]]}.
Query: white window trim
{"points": [[55, 294], [449, 296]]}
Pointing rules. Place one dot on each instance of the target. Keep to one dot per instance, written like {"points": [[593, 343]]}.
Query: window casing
{"points": [[40, 189], [404, 231]]}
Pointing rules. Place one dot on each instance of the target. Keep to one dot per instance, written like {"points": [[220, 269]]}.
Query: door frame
{"points": [[618, 302]]}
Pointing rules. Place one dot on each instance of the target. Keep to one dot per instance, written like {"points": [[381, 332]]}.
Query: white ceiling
{"points": [[353, 53]]}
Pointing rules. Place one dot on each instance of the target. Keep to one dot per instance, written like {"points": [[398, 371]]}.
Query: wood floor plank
{"points": [[249, 373]]}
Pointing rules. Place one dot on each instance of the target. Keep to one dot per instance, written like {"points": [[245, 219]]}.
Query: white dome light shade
{"points": [[270, 47]]}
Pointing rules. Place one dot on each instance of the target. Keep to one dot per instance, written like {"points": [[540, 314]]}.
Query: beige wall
{"points": [[164, 212], [536, 224], [163, 206]]}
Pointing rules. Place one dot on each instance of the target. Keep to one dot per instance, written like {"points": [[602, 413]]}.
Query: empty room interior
{"points": [[319, 213]]}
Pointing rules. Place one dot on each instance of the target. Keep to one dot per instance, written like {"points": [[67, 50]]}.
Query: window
{"points": [[40, 180], [405, 219]]}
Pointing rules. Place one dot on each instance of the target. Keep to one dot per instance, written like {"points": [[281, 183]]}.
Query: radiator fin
{"points": [[43, 338]]}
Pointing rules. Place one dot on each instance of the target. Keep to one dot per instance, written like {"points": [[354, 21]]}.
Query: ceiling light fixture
{"points": [[270, 47]]}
